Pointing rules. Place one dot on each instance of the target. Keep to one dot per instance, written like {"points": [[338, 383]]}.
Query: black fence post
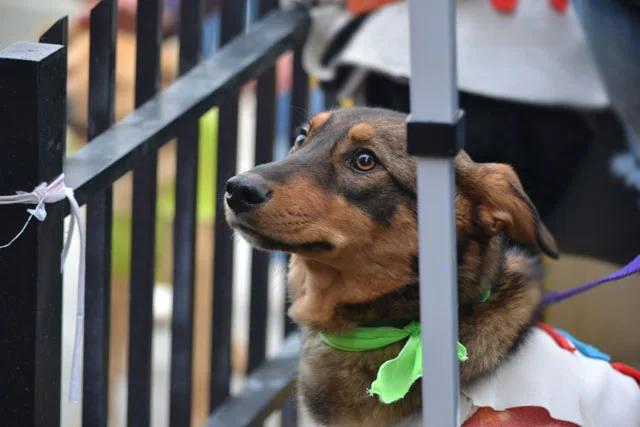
{"points": [[95, 377], [185, 225], [260, 260], [32, 141], [143, 224], [298, 114], [232, 22]]}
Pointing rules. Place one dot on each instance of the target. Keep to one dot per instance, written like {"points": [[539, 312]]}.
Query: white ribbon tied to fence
{"points": [[40, 196]]}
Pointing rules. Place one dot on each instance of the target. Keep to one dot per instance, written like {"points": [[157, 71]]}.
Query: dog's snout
{"points": [[245, 192]]}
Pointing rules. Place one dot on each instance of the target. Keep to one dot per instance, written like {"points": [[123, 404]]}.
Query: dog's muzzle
{"points": [[246, 192]]}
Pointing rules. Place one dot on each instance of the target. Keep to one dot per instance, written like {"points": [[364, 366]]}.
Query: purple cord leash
{"points": [[629, 269]]}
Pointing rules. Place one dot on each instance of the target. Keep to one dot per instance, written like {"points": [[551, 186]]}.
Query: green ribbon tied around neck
{"points": [[395, 376]]}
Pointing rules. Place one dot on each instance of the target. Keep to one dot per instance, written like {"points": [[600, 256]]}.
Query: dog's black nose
{"points": [[245, 192]]}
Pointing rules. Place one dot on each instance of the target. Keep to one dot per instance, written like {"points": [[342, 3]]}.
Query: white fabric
{"points": [[53, 193], [535, 55], [574, 388], [571, 387], [465, 410]]}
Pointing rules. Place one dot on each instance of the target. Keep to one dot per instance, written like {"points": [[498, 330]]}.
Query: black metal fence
{"points": [[33, 79]]}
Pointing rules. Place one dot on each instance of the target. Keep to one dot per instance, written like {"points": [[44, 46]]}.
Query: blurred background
{"points": [[535, 95]]}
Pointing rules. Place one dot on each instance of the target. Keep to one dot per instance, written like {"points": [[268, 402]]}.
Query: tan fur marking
{"points": [[362, 132], [318, 120]]}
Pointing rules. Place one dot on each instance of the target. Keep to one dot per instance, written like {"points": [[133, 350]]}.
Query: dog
{"points": [[343, 203]]}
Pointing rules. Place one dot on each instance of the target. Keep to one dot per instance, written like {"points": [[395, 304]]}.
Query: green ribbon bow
{"points": [[395, 376]]}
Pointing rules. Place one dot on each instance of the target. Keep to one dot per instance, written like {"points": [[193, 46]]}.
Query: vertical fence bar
{"points": [[434, 100], [57, 34], [102, 51], [143, 233], [264, 145], [232, 23], [185, 230], [32, 118], [299, 113]]}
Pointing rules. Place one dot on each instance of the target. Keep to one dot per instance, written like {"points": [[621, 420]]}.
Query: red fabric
{"points": [[560, 5], [562, 341], [508, 6], [627, 370], [524, 416], [360, 7], [505, 6]]}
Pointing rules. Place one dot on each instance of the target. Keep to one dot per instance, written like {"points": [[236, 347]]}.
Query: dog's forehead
{"points": [[348, 117], [358, 123]]}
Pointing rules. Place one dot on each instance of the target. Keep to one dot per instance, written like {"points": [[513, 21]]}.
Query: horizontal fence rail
{"points": [[102, 162], [265, 390]]}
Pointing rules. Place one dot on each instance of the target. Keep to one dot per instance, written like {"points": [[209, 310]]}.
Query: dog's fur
{"points": [[354, 240]]}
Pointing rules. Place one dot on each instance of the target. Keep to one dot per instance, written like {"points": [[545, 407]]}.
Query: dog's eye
{"points": [[302, 135], [364, 160]]}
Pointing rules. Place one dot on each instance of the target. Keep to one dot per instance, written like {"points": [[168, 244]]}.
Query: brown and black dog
{"points": [[344, 204]]}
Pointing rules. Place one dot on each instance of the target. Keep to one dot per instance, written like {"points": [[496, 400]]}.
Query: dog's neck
{"points": [[385, 292], [492, 327], [320, 290]]}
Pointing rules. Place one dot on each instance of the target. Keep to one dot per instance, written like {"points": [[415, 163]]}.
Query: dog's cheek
{"points": [[296, 201], [399, 240], [377, 198], [346, 224]]}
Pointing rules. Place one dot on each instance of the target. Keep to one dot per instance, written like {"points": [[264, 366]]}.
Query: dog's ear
{"points": [[503, 204]]}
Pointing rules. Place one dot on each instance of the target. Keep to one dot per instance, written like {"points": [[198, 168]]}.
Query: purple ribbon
{"points": [[629, 269]]}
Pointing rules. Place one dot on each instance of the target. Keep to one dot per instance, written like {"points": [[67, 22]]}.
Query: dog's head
{"points": [[345, 196], [346, 178]]}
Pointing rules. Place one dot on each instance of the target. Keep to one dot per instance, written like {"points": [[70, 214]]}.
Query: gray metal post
{"points": [[434, 100]]}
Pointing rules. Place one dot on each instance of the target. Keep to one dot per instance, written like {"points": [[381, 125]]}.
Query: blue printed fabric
{"points": [[585, 349]]}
